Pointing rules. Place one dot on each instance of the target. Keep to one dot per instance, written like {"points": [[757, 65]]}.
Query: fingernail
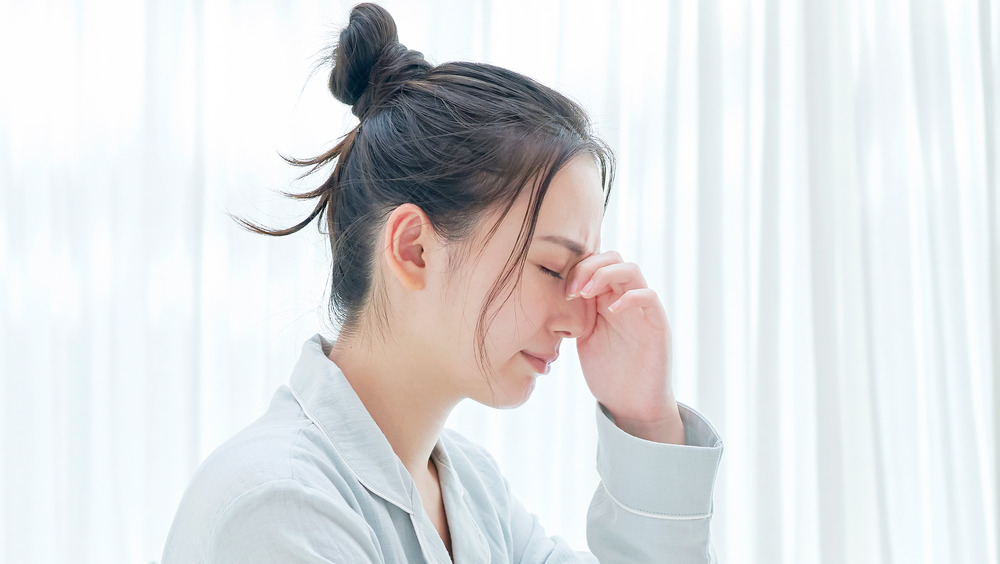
{"points": [[587, 288], [572, 290], [615, 306]]}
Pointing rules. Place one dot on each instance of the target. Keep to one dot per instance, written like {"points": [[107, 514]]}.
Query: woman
{"points": [[464, 216]]}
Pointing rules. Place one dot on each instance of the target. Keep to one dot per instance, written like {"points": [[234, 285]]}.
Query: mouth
{"points": [[540, 366]]}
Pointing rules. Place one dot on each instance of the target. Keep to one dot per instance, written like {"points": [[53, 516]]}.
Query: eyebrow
{"points": [[574, 247]]}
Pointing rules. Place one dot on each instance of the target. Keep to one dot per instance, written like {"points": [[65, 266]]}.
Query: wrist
{"points": [[661, 425]]}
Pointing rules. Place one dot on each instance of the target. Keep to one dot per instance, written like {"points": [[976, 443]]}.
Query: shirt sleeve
{"points": [[653, 505], [286, 521]]}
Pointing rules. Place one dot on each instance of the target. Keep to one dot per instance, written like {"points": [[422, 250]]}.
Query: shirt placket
{"points": [[431, 545]]}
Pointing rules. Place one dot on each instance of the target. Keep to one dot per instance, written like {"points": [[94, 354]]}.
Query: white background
{"points": [[810, 187]]}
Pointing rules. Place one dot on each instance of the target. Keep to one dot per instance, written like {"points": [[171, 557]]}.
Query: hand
{"points": [[626, 356]]}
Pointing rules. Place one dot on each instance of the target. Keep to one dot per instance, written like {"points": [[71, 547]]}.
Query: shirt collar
{"points": [[328, 399]]}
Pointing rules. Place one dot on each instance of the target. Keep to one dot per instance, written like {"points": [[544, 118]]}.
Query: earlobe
{"points": [[407, 236]]}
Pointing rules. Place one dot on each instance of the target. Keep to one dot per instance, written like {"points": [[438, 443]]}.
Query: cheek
{"points": [[534, 300], [515, 322], [500, 321]]}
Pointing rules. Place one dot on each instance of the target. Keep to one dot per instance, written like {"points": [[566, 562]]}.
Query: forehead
{"points": [[574, 205]]}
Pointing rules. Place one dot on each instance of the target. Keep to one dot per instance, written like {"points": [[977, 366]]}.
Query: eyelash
{"points": [[551, 273]]}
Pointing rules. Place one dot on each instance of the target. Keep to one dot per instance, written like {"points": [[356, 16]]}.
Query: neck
{"points": [[410, 403]]}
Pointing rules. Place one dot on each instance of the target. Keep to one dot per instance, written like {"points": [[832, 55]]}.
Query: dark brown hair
{"points": [[460, 140]]}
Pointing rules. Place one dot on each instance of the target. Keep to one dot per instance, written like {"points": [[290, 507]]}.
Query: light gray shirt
{"points": [[315, 480]]}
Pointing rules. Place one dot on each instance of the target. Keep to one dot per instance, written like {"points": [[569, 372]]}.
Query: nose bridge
{"points": [[569, 316]]}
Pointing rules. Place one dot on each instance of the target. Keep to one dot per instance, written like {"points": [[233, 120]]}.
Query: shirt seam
{"points": [[291, 457], [657, 514]]}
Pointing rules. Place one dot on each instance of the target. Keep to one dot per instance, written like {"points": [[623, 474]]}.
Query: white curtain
{"points": [[813, 189]]}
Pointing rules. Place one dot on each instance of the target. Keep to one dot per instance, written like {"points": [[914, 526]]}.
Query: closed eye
{"points": [[551, 273]]}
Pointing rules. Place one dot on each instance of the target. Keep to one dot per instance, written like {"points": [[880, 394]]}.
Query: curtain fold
{"points": [[811, 188]]}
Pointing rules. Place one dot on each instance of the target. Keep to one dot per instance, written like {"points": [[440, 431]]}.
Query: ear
{"points": [[407, 242]]}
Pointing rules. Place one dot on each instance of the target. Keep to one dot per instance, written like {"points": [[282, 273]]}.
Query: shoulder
{"points": [[279, 469], [268, 450], [278, 520]]}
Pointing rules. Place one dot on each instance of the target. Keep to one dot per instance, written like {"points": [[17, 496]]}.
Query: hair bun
{"points": [[369, 62]]}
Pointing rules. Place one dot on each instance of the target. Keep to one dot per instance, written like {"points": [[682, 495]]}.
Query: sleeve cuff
{"points": [[656, 478]]}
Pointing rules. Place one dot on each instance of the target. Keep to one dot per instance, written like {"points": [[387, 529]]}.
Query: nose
{"points": [[570, 318]]}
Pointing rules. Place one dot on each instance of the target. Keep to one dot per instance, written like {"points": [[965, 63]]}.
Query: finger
{"points": [[643, 299], [638, 298], [617, 278], [581, 273]]}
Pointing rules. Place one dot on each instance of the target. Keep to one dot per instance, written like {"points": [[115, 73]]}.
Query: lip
{"points": [[540, 365]]}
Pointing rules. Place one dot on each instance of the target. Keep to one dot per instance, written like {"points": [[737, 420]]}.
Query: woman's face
{"points": [[537, 316]]}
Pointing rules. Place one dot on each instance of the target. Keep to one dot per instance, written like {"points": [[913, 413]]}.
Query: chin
{"points": [[510, 395], [518, 396]]}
